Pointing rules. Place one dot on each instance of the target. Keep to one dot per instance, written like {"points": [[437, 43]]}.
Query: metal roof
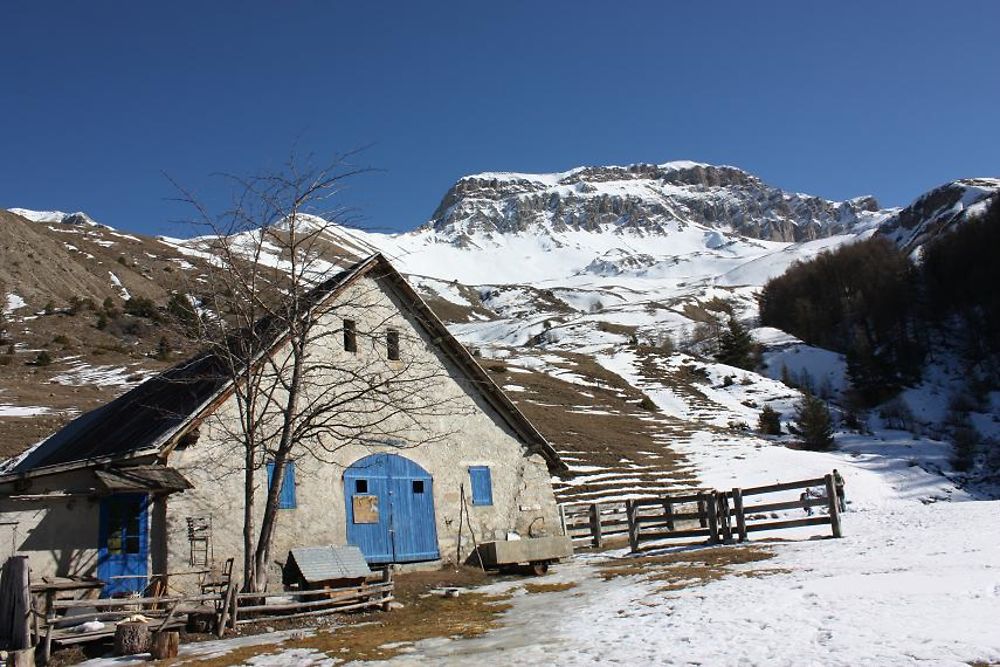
{"points": [[317, 564]]}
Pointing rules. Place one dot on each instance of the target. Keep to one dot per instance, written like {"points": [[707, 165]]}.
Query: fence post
{"points": [[722, 502], [831, 496], [713, 519], [668, 509], [702, 512], [562, 519], [741, 520], [595, 525], [633, 525]]}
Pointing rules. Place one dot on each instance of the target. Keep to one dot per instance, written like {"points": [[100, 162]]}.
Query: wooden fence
{"points": [[717, 516], [42, 621]]}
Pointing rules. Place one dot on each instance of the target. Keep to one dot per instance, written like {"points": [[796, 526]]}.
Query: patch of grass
{"points": [[690, 567], [382, 635], [550, 588]]}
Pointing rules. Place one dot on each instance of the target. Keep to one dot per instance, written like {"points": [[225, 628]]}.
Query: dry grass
{"points": [[550, 588], [382, 635], [687, 568]]}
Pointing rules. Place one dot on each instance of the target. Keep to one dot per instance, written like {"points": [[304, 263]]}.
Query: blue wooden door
{"points": [[366, 488], [124, 544], [411, 494], [390, 509]]}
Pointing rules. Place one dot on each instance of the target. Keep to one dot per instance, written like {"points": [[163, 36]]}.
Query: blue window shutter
{"points": [[482, 485], [286, 499]]}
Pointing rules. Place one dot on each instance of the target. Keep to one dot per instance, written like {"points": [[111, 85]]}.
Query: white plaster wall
{"points": [[464, 432]]}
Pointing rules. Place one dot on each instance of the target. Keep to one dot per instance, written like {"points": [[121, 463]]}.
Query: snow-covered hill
{"points": [[578, 284]]}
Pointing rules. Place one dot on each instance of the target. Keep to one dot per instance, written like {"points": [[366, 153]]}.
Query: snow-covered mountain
{"points": [[940, 210], [578, 282], [645, 199]]}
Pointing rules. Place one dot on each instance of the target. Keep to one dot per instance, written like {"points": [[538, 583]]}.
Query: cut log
{"points": [[131, 638], [165, 645], [24, 657]]}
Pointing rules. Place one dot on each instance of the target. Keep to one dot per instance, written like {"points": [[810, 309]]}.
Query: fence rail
{"points": [[718, 516]]}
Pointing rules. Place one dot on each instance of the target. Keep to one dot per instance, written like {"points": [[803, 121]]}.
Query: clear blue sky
{"points": [[838, 99]]}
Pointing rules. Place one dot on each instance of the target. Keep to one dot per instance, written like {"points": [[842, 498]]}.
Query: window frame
{"points": [[350, 336], [392, 347]]}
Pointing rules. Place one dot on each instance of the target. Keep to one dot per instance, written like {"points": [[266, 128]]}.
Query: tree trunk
{"points": [[131, 638], [165, 645]]}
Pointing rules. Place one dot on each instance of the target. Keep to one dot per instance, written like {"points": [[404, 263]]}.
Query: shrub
{"points": [[141, 306], [102, 322], [43, 358], [163, 349], [647, 404], [50, 307], [769, 422], [896, 414], [815, 427], [736, 346], [61, 339], [122, 260]]}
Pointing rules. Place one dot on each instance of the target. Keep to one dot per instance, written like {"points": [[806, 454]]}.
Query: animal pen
{"points": [[46, 614], [717, 516]]}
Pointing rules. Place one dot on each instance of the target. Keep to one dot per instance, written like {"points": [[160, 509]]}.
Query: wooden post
{"points": [[713, 518], [831, 496], [702, 513], [741, 519], [668, 510], [595, 525], [722, 503], [633, 525], [387, 579], [227, 600], [562, 518], [165, 645], [19, 589]]}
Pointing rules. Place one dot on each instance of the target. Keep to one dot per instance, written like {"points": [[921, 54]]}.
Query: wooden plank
{"points": [[791, 523], [318, 612], [649, 536], [121, 602], [679, 516], [330, 600], [786, 505], [785, 486], [741, 520], [831, 494], [668, 511]]}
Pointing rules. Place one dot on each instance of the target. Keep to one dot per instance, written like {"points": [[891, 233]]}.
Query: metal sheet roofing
{"points": [[317, 564]]}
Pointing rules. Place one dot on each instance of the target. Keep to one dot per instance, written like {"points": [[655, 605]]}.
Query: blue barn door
{"points": [[390, 509], [123, 550], [366, 488], [414, 533]]}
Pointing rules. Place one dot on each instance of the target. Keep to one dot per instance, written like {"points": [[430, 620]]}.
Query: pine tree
{"points": [[769, 422], [815, 424], [736, 346]]}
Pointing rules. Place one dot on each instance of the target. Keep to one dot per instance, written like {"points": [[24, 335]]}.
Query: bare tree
{"points": [[269, 318]]}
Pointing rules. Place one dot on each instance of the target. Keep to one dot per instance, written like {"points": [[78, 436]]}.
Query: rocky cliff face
{"points": [[939, 210], [642, 199]]}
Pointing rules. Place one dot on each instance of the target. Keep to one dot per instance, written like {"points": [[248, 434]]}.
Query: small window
{"points": [[361, 486], [482, 485], [392, 344], [350, 336], [418, 486], [286, 499]]}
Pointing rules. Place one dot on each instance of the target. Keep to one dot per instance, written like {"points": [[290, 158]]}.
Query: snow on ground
{"points": [[7, 410], [14, 302]]}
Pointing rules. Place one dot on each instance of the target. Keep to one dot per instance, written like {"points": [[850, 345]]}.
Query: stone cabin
{"points": [[151, 484]]}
